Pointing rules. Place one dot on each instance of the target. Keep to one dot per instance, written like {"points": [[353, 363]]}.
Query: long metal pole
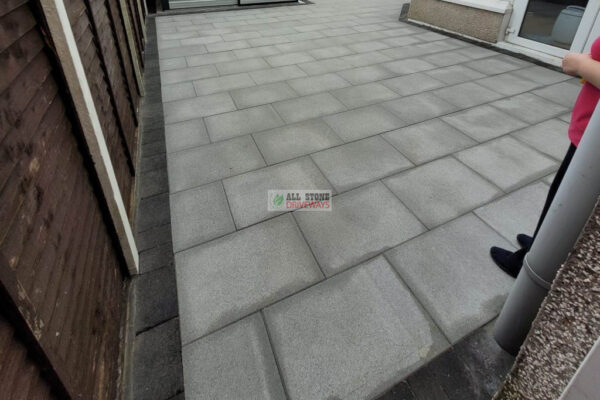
{"points": [[566, 218]]}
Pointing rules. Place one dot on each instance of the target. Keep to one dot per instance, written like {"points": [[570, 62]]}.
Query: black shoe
{"points": [[524, 240], [508, 261]]}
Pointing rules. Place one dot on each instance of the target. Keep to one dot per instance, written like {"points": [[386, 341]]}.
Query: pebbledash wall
{"points": [[70, 86], [486, 22]]}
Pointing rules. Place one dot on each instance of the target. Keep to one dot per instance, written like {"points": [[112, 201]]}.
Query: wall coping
{"points": [[496, 6]]}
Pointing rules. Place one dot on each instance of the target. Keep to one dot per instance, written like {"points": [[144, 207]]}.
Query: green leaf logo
{"points": [[278, 200]]}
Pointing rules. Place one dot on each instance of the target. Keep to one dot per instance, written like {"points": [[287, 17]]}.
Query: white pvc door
{"points": [[552, 26]]}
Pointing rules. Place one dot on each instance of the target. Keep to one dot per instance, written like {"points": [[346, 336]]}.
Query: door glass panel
{"points": [[552, 22]]}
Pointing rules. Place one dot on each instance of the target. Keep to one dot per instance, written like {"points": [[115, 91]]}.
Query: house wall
{"points": [[62, 269], [566, 327], [481, 24]]}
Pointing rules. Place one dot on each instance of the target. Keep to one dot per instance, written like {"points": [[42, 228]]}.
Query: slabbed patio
{"points": [[436, 149]]}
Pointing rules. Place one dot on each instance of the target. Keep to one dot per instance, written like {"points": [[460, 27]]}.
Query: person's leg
{"points": [[526, 241], [511, 262], [558, 178]]}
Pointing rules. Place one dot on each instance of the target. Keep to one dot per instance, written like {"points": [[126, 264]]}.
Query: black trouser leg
{"points": [[512, 262], [560, 174]]}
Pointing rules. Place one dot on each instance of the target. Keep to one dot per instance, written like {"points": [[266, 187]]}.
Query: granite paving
{"points": [[434, 150]]}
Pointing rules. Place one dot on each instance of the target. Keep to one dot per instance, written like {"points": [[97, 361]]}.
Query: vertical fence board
{"points": [[61, 271]]}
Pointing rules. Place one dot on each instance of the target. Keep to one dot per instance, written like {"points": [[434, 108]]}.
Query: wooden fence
{"points": [[65, 251]]}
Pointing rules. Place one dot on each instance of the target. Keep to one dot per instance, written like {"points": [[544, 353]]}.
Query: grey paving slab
{"points": [[412, 84], [363, 222], [198, 215], [441, 190], [183, 135], [446, 59], [507, 162], [467, 94], [318, 83], [361, 162], [182, 51], [484, 122], [408, 66], [530, 108], [267, 276], [476, 52], [566, 118], [172, 63], [308, 107], [194, 108], [428, 140], [451, 273], [205, 164], [234, 363], [304, 45], [402, 52], [222, 83], [295, 140], [542, 75], [330, 52], [420, 107], [248, 193], [269, 40], [550, 137], [498, 64], [455, 74], [289, 59], [225, 46], [363, 59], [263, 51], [363, 95], [201, 40], [177, 91], [363, 122], [325, 66], [402, 40], [399, 29], [262, 94], [237, 66], [330, 343], [242, 122], [372, 45], [370, 73], [240, 35], [338, 31], [211, 58], [277, 74], [518, 212], [508, 83], [188, 74], [563, 93], [430, 36]]}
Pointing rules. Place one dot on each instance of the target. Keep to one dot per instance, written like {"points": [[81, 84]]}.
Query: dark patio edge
{"points": [[156, 370], [472, 369]]}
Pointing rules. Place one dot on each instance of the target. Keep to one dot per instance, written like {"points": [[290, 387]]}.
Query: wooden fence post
{"points": [[131, 42], [62, 36]]}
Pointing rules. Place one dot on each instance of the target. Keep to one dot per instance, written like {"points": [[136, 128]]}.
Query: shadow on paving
{"points": [[473, 369]]}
